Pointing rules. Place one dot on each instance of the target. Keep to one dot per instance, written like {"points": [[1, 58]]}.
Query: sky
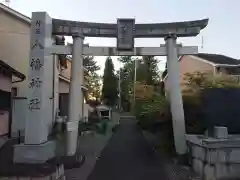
{"points": [[220, 36]]}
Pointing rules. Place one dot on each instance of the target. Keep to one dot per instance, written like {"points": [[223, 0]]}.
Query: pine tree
{"points": [[110, 83]]}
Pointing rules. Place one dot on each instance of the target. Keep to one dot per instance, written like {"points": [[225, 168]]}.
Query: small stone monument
{"points": [[220, 132]]}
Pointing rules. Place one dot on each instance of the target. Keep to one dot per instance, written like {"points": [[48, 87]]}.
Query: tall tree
{"points": [[147, 72], [94, 87], [164, 72], [127, 79], [110, 83], [151, 69], [90, 75], [92, 78]]}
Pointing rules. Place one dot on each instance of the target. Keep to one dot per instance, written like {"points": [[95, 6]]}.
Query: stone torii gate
{"points": [[43, 27]]}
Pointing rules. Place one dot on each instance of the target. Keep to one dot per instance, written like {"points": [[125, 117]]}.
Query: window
{"points": [[14, 91], [5, 100]]}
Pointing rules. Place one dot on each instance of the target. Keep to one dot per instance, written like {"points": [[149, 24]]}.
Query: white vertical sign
{"points": [[38, 100]]}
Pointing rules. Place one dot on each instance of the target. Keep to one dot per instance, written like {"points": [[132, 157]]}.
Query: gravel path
{"points": [[128, 157]]}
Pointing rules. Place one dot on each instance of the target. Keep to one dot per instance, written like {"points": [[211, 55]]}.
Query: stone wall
{"points": [[214, 158], [57, 175]]}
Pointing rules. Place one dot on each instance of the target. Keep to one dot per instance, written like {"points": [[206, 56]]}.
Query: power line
{"points": [[6, 2]]}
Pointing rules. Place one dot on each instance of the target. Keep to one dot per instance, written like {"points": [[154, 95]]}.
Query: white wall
{"points": [[63, 86], [56, 87], [5, 85], [4, 120], [85, 110], [19, 113], [15, 45]]}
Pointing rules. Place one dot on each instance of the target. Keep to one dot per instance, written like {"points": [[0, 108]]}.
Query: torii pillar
{"points": [[175, 95], [75, 109]]}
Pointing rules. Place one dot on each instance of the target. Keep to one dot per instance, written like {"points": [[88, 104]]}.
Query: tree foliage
{"points": [[127, 78], [197, 81], [150, 110], [156, 104], [110, 83], [147, 73], [151, 69], [92, 78], [90, 75]]}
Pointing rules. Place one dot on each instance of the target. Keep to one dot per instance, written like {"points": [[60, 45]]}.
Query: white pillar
{"points": [[39, 112], [56, 86], [134, 84], [75, 95], [175, 94]]}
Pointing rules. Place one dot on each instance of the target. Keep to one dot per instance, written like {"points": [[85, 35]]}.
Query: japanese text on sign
{"points": [[36, 64], [35, 83], [37, 44], [34, 104], [38, 24], [125, 34]]}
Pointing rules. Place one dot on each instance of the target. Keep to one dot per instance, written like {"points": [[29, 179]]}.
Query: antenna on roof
{"points": [[7, 2]]}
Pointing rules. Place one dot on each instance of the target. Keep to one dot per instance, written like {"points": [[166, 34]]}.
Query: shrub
{"points": [[149, 110], [86, 126], [196, 84]]}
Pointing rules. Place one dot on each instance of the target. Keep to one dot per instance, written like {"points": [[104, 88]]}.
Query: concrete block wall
{"points": [[215, 158], [59, 174]]}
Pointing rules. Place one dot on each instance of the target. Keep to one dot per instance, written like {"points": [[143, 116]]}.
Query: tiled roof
{"points": [[218, 59]]}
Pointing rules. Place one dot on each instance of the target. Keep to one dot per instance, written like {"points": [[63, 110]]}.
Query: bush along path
{"points": [[128, 156]]}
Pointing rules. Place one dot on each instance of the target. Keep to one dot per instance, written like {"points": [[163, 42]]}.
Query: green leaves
{"points": [[197, 81], [156, 104], [110, 83], [146, 72], [92, 78]]}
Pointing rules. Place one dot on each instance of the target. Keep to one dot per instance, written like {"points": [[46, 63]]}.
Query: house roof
{"points": [[20, 16], [8, 68], [213, 59], [15, 13], [218, 59]]}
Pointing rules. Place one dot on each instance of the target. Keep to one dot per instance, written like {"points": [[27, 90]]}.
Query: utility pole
{"points": [[137, 63], [119, 89], [134, 84]]}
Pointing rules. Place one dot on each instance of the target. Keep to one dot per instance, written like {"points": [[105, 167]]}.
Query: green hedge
{"points": [[99, 126]]}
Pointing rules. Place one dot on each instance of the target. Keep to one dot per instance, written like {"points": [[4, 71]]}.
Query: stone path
{"points": [[128, 157]]}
